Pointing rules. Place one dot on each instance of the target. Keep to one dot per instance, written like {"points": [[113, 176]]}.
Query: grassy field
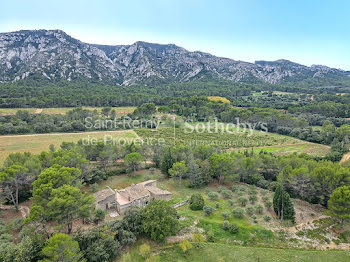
{"points": [[302, 147], [212, 252], [12, 111], [241, 140], [317, 128], [225, 140], [40, 142], [63, 110]]}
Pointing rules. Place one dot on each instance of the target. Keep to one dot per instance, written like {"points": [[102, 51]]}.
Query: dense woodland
{"points": [[41, 93]]}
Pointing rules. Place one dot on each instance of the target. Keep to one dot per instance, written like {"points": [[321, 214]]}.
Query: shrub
{"points": [[145, 250], [253, 198], [243, 201], [227, 194], [267, 218], [99, 215], [115, 172], [208, 210], [17, 224], [263, 183], [238, 212], [225, 215], [196, 202], [213, 195], [273, 185], [231, 202], [235, 188], [264, 192], [242, 189], [250, 210], [259, 209], [221, 188], [225, 225], [94, 187], [152, 170], [198, 239], [252, 192], [217, 205], [210, 236], [265, 198], [233, 228], [126, 257], [268, 204], [146, 178], [185, 245]]}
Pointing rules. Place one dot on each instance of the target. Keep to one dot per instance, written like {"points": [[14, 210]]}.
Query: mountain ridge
{"points": [[54, 55]]}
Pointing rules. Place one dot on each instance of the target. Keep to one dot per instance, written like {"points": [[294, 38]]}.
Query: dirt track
{"points": [[345, 158]]}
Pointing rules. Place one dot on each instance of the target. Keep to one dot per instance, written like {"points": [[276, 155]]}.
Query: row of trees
{"points": [[303, 177], [77, 119], [324, 108]]}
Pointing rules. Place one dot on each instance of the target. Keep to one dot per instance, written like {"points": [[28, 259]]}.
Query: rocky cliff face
{"points": [[54, 55]]}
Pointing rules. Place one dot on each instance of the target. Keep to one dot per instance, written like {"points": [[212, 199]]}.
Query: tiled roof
{"points": [[103, 194]]}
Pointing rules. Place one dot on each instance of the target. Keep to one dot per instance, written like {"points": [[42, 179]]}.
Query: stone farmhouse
{"points": [[139, 195]]}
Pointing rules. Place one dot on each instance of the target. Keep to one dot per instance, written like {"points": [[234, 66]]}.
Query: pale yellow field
{"points": [[37, 143]]}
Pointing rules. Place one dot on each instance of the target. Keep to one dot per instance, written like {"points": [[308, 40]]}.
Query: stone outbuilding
{"points": [[139, 195], [105, 199]]}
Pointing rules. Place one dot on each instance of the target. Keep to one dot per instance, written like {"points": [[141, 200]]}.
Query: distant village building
{"points": [[138, 195]]}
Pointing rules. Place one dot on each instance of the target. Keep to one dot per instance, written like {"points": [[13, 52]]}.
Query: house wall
{"points": [[106, 203], [122, 208], [140, 202], [166, 197]]}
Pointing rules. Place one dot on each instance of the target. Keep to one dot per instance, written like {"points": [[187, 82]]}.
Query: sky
{"points": [[303, 31]]}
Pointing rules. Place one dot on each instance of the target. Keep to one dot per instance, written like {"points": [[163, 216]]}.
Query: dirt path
{"points": [[23, 209], [345, 158]]}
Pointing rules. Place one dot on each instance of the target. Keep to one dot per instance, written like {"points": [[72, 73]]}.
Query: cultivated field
{"points": [[37, 143], [301, 147], [63, 110], [270, 142]]}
